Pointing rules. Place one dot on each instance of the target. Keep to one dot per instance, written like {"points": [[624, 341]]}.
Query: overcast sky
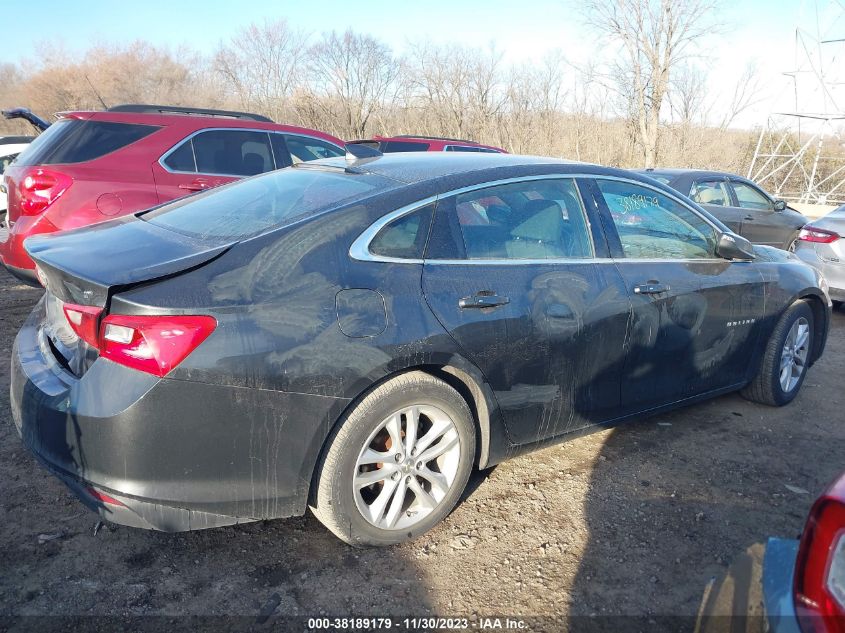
{"points": [[761, 30]]}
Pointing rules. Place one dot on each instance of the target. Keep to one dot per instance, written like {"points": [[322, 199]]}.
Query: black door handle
{"points": [[483, 301], [748, 217], [651, 288]]}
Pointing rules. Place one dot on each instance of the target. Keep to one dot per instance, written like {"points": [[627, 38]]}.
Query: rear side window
{"points": [[711, 192], [405, 237], [535, 219], [404, 146], [232, 152], [77, 141], [249, 207]]}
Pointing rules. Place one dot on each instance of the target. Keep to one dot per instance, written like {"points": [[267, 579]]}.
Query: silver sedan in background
{"points": [[822, 244]]}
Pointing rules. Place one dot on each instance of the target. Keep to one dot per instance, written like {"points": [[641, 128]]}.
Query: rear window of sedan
{"points": [[248, 207]]}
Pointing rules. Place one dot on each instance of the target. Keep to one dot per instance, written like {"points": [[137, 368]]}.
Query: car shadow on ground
{"points": [[679, 506]]}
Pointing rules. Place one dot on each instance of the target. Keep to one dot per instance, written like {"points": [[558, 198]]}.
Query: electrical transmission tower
{"points": [[800, 153]]}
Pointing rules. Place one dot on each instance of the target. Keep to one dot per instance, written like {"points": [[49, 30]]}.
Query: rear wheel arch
{"points": [[820, 319], [470, 388]]}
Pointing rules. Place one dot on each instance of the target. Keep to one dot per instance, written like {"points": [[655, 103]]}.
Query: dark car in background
{"points": [[739, 203], [88, 167], [357, 335], [411, 143]]}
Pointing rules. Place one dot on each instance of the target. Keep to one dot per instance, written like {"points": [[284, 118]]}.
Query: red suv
{"points": [[89, 167], [427, 144]]}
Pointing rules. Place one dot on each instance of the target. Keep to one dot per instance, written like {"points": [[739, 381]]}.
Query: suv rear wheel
{"points": [[397, 464]]}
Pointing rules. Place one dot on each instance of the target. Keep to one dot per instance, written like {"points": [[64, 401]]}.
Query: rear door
{"points": [[210, 158], [512, 274], [693, 328]]}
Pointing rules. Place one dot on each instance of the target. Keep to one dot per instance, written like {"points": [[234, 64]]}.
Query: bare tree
{"points": [[655, 35], [746, 94], [352, 78], [262, 66]]}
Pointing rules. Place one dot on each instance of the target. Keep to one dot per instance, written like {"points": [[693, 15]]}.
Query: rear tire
{"points": [[785, 359], [397, 464]]}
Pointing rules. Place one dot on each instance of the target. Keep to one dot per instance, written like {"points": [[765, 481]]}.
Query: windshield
{"points": [[249, 207]]}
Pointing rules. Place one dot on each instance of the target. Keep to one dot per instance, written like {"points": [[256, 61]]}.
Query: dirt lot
{"points": [[634, 520]]}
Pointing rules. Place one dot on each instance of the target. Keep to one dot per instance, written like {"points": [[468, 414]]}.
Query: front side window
{"points": [[711, 192], [404, 146], [305, 148], [404, 237], [470, 148], [535, 219], [652, 225], [232, 152], [750, 198]]}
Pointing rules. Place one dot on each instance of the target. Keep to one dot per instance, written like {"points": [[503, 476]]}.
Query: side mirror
{"points": [[780, 205], [732, 246]]}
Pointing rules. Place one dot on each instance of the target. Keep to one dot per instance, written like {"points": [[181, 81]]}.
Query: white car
{"points": [[10, 147]]}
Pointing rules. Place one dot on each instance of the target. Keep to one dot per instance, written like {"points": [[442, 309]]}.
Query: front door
{"points": [[760, 222], [511, 273], [692, 329]]}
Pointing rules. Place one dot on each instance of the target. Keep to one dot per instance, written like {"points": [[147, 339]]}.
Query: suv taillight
{"points": [[39, 188], [150, 343], [821, 236], [819, 584]]}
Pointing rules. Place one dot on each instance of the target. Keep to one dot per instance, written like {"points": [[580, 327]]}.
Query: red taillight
{"points": [[154, 344], [819, 585], [40, 188], [85, 321], [102, 497], [821, 236]]}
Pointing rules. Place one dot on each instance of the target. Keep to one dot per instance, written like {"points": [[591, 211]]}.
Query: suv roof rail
{"points": [[437, 138], [161, 109], [15, 140]]}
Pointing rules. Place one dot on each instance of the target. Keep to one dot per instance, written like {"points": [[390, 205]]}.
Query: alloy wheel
{"points": [[406, 467], [793, 359]]}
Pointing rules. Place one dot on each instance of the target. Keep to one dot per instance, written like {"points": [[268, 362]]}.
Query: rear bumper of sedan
{"points": [[824, 258], [165, 454]]}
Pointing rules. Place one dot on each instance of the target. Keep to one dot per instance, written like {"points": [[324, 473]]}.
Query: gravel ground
{"points": [[630, 521]]}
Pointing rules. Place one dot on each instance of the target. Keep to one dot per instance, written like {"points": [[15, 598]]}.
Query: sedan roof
{"points": [[413, 167]]}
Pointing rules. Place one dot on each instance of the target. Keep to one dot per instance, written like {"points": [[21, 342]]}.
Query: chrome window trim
{"points": [[191, 136], [360, 248], [360, 251]]}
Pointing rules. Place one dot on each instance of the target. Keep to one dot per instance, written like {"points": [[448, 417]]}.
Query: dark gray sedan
{"points": [[739, 203], [356, 335]]}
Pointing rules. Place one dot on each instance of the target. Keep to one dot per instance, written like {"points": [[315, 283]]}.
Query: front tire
{"points": [[785, 360], [397, 464]]}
